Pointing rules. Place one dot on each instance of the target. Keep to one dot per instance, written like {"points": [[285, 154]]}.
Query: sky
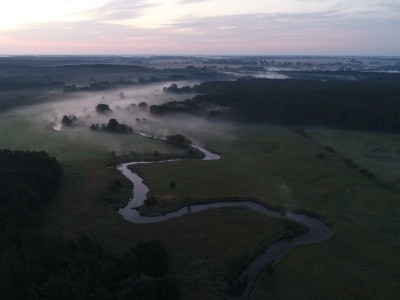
{"points": [[203, 27]]}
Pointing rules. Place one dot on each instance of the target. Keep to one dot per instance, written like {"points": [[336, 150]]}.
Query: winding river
{"points": [[318, 230]]}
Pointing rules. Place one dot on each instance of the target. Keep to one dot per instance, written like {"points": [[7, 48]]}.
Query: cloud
{"points": [[191, 1], [390, 5], [117, 10], [211, 27]]}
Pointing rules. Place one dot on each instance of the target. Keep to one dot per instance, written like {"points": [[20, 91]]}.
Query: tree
{"points": [[66, 121], [152, 257], [142, 105], [179, 140], [33, 266], [172, 185], [112, 125], [103, 109], [94, 127]]}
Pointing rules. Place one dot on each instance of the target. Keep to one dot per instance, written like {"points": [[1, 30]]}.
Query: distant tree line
{"points": [[97, 86], [25, 90], [173, 88], [187, 106], [23, 82], [367, 105], [107, 85], [33, 266]]}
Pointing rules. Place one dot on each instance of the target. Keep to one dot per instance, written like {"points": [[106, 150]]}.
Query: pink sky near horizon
{"points": [[329, 27]]}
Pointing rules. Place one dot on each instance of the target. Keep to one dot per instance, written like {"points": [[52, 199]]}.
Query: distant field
{"points": [[24, 82], [263, 162], [377, 151], [18, 132]]}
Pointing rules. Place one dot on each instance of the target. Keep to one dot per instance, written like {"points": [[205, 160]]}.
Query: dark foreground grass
{"points": [[361, 260]]}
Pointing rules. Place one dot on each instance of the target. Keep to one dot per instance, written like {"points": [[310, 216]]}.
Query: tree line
{"points": [[27, 179], [355, 105], [34, 266], [366, 105]]}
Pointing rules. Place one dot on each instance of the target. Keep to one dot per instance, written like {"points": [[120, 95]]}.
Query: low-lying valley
{"points": [[199, 181]]}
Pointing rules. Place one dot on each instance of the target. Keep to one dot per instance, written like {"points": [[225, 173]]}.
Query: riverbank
{"points": [[310, 230], [273, 165], [276, 165]]}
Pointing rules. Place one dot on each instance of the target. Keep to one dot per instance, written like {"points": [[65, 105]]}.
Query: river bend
{"points": [[318, 230]]}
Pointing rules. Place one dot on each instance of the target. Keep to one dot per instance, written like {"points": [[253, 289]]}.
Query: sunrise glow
{"points": [[200, 27]]}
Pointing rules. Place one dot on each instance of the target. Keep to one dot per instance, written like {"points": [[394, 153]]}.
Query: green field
{"points": [[85, 203], [19, 132], [270, 163], [278, 166], [376, 151], [197, 243]]}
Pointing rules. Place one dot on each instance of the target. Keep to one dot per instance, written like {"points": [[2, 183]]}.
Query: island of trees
{"points": [[179, 140], [69, 121], [103, 109], [112, 126]]}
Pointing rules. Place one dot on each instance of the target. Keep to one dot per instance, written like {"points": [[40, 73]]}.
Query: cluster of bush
{"points": [[179, 140], [347, 161], [112, 126], [69, 121], [103, 109]]}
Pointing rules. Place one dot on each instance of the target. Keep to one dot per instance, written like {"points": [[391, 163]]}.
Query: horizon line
{"points": [[201, 55]]}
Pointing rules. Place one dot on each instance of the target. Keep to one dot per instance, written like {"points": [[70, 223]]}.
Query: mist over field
{"points": [[124, 105]]}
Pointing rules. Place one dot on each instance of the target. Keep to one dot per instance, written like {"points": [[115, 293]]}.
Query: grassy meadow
{"points": [[270, 163], [197, 243], [86, 203], [19, 132], [278, 166], [376, 151]]}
